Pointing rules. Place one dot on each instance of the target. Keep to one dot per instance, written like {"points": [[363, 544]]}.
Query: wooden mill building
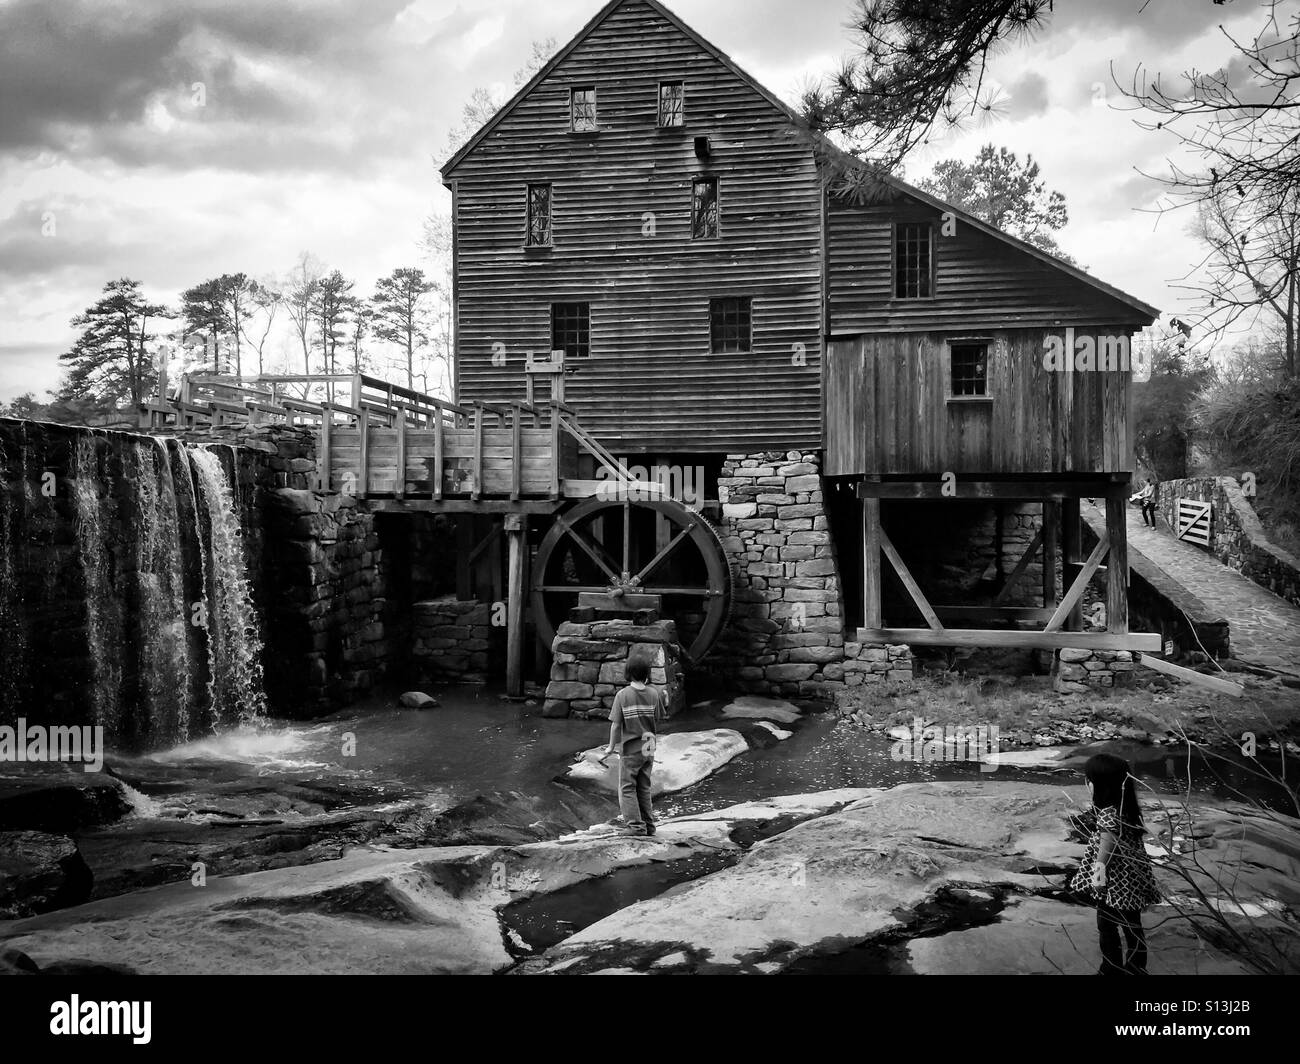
{"points": [[650, 211]]}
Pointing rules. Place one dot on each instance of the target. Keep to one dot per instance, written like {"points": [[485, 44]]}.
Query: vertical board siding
{"points": [[980, 282], [887, 409], [650, 382]]}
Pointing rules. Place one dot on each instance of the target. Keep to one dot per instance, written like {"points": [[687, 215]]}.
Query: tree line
{"points": [[224, 325]]}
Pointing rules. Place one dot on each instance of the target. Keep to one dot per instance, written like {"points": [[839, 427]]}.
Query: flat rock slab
{"points": [[375, 910], [753, 707], [1040, 936], [887, 864], [682, 758]]}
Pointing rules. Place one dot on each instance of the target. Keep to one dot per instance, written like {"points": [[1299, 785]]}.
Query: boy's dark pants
{"points": [[1110, 922], [634, 787], [1149, 514]]}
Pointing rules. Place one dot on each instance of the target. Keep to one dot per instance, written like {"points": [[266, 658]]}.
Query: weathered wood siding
{"points": [[979, 281], [888, 410], [651, 383]]}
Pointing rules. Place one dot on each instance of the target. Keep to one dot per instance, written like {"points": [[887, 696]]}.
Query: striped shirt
{"points": [[635, 713]]}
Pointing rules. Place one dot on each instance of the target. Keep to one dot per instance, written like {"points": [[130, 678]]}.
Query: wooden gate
{"points": [[1193, 521]]}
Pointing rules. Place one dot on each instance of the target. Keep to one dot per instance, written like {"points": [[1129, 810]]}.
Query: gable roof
{"points": [[582, 35], [820, 143]]}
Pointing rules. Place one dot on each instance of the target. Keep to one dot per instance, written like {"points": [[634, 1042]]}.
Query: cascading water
{"points": [[233, 639], [125, 599]]}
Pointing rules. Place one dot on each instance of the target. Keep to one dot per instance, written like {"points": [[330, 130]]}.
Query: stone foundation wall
{"points": [[1236, 536], [1080, 671], [590, 661], [325, 627], [786, 635], [452, 641]]}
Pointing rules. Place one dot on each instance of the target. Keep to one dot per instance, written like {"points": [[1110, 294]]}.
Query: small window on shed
{"points": [[672, 103], [582, 109], [913, 263], [730, 327], [970, 369]]}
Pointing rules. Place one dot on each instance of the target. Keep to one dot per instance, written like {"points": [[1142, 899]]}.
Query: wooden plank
{"points": [[436, 473], [871, 584], [1117, 562], [1020, 568], [895, 559], [1178, 672], [412, 504], [476, 485], [1075, 595], [517, 457], [323, 455], [985, 637]]}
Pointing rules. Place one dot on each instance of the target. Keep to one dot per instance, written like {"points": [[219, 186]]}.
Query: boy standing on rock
{"points": [[633, 723]]}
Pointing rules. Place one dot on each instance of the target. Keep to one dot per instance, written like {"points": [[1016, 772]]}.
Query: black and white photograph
{"points": [[676, 487]]}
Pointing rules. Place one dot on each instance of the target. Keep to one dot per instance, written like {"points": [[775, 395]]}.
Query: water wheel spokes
{"points": [[656, 546]]}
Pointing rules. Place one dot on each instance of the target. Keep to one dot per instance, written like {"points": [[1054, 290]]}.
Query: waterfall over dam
{"points": [[126, 598]]}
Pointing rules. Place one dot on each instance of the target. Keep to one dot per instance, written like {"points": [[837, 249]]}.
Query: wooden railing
{"points": [[390, 440]]}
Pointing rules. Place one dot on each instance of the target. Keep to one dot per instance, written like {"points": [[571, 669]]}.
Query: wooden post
{"points": [[399, 487], [1071, 545], [324, 457], [871, 610], [363, 424], [516, 451], [476, 488], [555, 450], [517, 536], [1117, 564], [1051, 530], [437, 454]]}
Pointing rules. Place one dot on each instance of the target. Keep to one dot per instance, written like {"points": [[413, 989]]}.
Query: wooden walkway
{"points": [[1264, 630]]}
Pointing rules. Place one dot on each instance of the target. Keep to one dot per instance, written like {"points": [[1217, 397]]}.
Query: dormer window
{"points": [[672, 104], [582, 109]]}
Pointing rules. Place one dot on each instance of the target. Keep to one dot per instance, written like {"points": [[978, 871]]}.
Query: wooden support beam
{"points": [[1071, 547], [1075, 595], [1178, 672], [1117, 563], [1051, 529], [438, 459], [1009, 490], [913, 588], [1020, 568], [871, 594], [476, 489], [516, 450], [323, 457], [516, 526], [984, 637], [463, 506], [399, 489]]}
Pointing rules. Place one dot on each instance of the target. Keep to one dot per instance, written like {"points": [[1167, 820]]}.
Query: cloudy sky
{"points": [[173, 140]]}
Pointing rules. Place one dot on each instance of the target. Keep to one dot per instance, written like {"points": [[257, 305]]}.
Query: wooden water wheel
{"points": [[654, 547]]}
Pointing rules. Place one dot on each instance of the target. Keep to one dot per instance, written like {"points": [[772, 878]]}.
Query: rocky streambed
{"points": [[202, 866]]}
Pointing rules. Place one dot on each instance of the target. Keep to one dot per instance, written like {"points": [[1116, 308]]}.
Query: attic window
{"points": [[913, 261], [672, 103], [582, 109]]}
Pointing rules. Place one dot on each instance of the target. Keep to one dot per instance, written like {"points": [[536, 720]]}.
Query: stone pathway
{"points": [[1264, 630]]}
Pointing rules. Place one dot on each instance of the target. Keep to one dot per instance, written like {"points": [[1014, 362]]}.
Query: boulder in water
{"points": [[753, 707], [16, 962], [417, 700], [40, 873]]}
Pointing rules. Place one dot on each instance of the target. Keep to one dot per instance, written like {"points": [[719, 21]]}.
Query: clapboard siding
{"points": [[888, 411], [651, 383], [980, 281]]}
